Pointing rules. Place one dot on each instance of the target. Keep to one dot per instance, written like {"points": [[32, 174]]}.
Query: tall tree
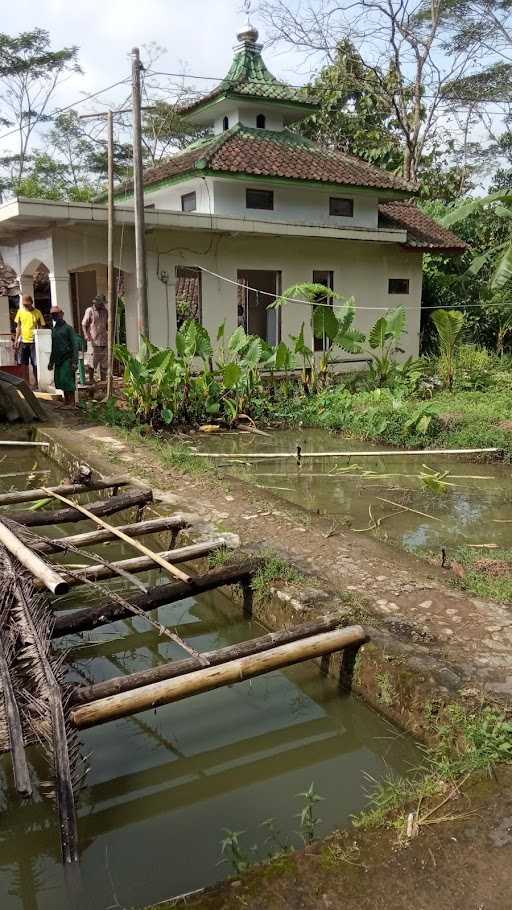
{"points": [[402, 46], [30, 71]]}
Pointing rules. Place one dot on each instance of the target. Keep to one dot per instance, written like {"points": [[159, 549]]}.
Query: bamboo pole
{"points": [[173, 523], [135, 544], [142, 563], [84, 694], [293, 455], [22, 443], [171, 690], [48, 577], [70, 489], [75, 513], [21, 773], [110, 611]]}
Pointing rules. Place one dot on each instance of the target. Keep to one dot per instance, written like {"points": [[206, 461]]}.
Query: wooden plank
{"points": [[110, 611], [388, 452], [46, 575], [173, 523], [70, 489], [73, 514], [22, 780], [142, 563], [235, 671], [175, 668], [135, 544]]}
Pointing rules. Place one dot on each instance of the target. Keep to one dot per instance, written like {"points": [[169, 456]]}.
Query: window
{"points": [[261, 121], [398, 286], [343, 207], [225, 123], [188, 202], [259, 199], [188, 294], [327, 279]]}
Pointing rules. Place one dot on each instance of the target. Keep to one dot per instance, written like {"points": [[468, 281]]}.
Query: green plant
{"points": [[233, 853], [271, 570], [383, 340], [386, 692], [308, 819], [448, 325]]}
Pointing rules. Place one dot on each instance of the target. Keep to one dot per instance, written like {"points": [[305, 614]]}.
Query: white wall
{"points": [[169, 197], [246, 115], [302, 205], [296, 204], [360, 270]]}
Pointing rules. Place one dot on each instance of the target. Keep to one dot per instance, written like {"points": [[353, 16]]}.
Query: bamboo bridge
{"points": [[39, 708]]}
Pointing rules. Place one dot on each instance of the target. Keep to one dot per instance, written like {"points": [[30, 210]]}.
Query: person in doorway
{"points": [[64, 355], [95, 329], [27, 320]]}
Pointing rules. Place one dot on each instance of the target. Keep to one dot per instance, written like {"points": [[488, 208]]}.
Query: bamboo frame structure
{"points": [[142, 563], [70, 489], [389, 452], [47, 576], [70, 623], [174, 523], [235, 671], [135, 544], [73, 513], [114, 686]]}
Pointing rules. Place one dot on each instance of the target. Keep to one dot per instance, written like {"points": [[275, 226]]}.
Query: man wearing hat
{"points": [[95, 329], [64, 355]]}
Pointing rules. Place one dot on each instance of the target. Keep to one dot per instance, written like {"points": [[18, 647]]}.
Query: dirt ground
{"points": [[453, 865]]}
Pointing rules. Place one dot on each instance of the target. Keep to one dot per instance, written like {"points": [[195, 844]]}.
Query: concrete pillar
{"points": [[26, 283], [61, 295]]}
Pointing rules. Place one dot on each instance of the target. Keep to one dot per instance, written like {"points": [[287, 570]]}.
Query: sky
{"points": [[198, 37]]}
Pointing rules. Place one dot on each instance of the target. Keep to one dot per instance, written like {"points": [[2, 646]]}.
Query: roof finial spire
{"points": [[248, 34]]}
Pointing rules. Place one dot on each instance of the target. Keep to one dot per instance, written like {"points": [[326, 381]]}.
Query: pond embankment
{"points": [[430, 646]]}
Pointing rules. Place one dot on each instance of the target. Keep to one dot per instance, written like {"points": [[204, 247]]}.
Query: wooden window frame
{"points": [[346, 201], [261, 194], [197, 273], [401, 286], [189, 196]]}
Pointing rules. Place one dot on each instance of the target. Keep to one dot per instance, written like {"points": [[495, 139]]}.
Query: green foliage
{"points": [[468, 741], [233, 853], [273, 569], [308, 819], [480, 576], [383, 339], [449, 325]]}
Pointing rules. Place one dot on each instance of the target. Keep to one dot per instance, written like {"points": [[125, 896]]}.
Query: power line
{"points": [[223, 81], [313, 303], [68, 107]]}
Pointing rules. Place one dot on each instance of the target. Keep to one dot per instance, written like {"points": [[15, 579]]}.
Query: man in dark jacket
{"points": [[64, 355]]}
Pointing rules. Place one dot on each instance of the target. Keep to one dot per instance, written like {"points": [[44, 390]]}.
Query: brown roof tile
{"points": [[423, 232], [266, 153]]}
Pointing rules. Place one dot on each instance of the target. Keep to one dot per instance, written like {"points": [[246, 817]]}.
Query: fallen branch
{"points": [[399, 505]]}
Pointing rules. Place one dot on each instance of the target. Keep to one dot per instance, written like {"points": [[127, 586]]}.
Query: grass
{"points": [[469, 741], [273, 569], [487, 573], [221, 557]]}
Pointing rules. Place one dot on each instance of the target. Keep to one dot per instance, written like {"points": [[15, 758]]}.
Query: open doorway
{"points": [[258, 288]]}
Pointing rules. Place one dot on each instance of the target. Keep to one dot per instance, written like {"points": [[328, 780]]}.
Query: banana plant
{"points": [[334, 326], [383, 339], [498, 256], [448, 325]]}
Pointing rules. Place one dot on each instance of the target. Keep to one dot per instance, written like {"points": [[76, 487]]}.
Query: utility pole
{"points": [[138, 189], [111, 290]]}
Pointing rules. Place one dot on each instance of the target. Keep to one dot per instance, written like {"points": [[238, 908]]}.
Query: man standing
{"points": [[27, 320], [95, 328], [64, 356]]}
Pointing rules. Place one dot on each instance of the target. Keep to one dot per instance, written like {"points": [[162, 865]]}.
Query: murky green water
{"points": [[471, 511], [165, 785]]}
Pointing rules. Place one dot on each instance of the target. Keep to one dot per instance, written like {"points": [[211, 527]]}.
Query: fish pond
{"points": [[166, 787]]}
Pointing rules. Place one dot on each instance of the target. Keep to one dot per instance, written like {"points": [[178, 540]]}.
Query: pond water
{"points": [[165, 785], [476, 509]]}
